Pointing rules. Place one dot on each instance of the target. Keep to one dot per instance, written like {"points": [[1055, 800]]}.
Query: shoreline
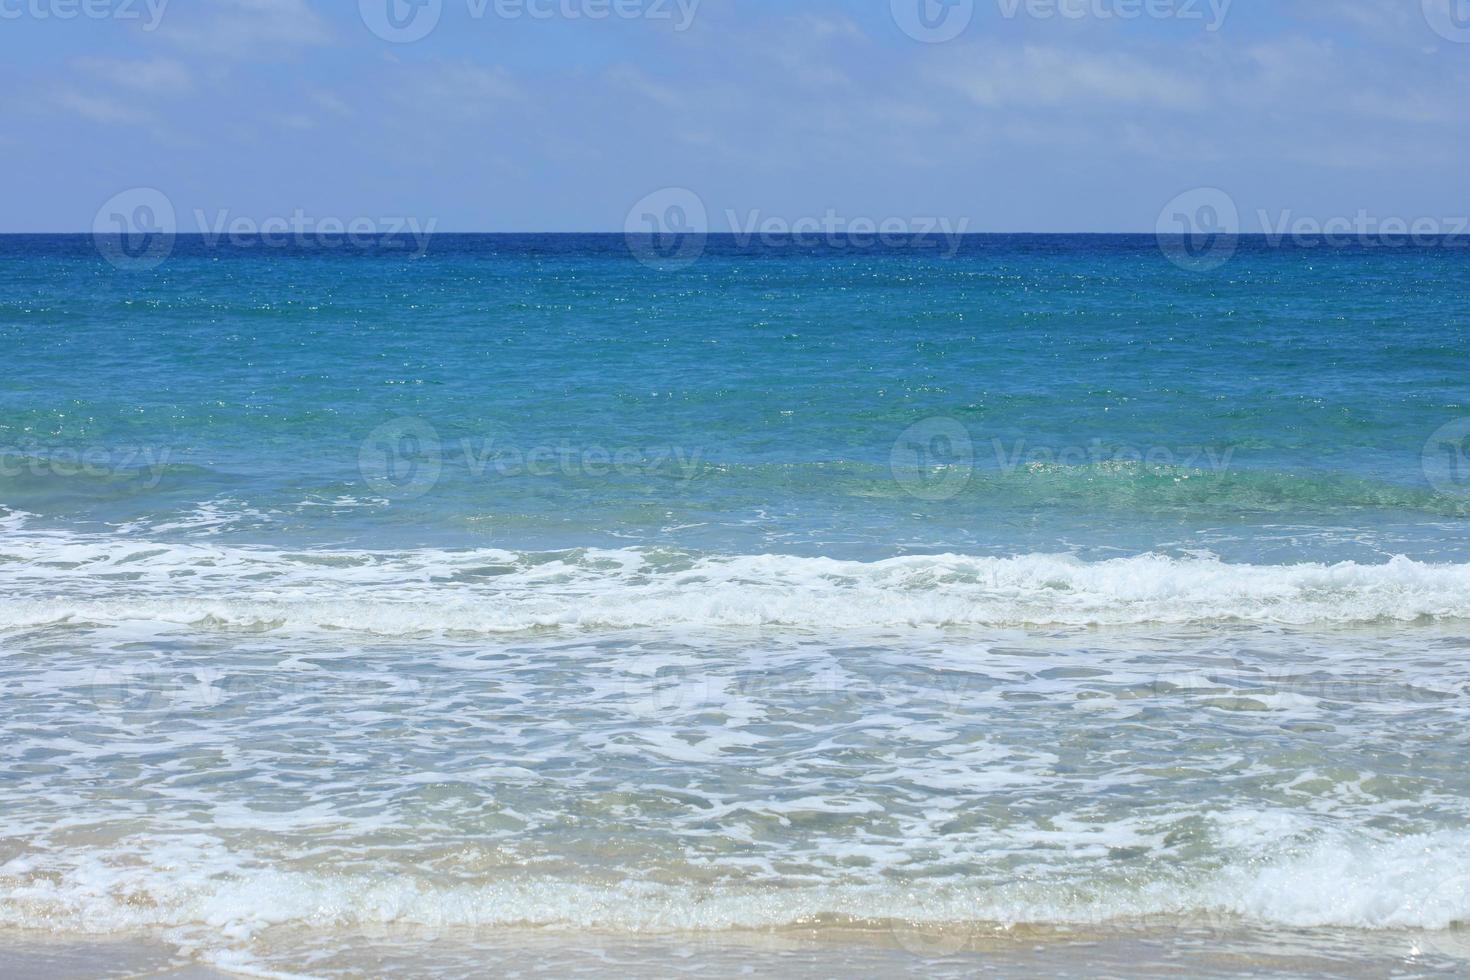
{"points": [[1197, 950]]}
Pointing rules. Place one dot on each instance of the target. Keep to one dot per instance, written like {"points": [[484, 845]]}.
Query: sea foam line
{"points": [[58, 578], [1350, 881]]}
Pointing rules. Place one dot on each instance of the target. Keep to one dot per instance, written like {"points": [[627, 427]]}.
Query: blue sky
{"points": [[1027, 119]]}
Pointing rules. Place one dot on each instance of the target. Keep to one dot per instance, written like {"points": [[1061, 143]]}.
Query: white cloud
{"points": [[822, 28], [100, 108], [907, 113], [159, 76], [331, 103], [1054, 77], [1290, 64], [1384, 21], [475, 84], [1318, 83], [634, 80], [250, 28], [1413, 107], [460, 90], [802, 47]]}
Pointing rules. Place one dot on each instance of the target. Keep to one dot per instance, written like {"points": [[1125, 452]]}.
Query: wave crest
{"points": [[60, 578]]}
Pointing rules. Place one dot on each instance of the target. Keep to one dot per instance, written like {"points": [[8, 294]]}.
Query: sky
{"points": [[571, 115]]}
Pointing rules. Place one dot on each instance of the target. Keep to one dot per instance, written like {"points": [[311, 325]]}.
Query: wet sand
{"points": [[1201, 952]]}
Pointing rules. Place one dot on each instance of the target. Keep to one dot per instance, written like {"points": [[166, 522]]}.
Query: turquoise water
{"points": [[521, 582], [754, 400]]}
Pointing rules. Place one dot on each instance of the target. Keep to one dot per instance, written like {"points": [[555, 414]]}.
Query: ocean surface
{"points": [[1055, 586]]}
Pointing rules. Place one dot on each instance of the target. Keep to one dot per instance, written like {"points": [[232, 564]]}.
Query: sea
{"points": [[578, 603]]}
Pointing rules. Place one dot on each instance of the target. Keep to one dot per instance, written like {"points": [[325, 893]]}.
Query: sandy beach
{"points": [[802, 953]]}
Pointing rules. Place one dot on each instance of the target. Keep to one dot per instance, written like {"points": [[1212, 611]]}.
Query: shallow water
{"points": [[910, 601]]}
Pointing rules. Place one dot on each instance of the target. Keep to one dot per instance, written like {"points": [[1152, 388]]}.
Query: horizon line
{"points": [[753, 236]]}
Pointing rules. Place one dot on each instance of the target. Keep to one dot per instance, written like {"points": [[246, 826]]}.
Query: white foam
{"points": [[60, 577], [1420, 882]]}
